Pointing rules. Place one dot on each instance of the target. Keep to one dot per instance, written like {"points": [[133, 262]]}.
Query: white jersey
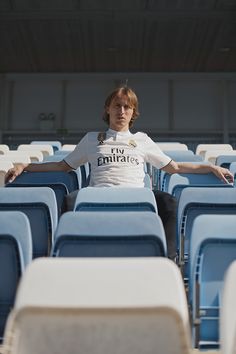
{"points": [[119, 159]]}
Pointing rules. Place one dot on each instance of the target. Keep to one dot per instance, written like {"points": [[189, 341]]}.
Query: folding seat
{"points": [[82, 172], [202, 148], [106, 234], [39, 204], [28, 156], [84, 169], [61, 182], [68, 147], [56, 145], [176, 151], [212, 154], [164, 176], [46, 149], [115, 198], [183, 155], [53, 158], [178, 156], [3, 148], [175, 183], [227, 312], [97, 306], [16, 157], [225, 159], [15, 255], [195, 201], [212, 249], [62, 152], [172, 146], [34, 155]]}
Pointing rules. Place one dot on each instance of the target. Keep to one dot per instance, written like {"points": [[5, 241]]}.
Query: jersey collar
{"points": [[112, 132]]}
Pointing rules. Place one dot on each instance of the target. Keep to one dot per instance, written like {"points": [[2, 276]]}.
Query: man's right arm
{"points": [[36, 167]]}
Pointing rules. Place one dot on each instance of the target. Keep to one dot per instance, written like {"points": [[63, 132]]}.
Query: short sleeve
{"points": [[154, 155], [79, 155]]}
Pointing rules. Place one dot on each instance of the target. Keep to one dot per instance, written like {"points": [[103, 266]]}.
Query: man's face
{"points": [[120, 113]]}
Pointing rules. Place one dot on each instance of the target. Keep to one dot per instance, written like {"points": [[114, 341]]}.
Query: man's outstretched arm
{"points": [[36, 167], [187, 167]]}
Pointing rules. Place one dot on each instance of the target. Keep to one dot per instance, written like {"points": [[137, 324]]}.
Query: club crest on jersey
{"points": [[132, 143], [101, 138]]}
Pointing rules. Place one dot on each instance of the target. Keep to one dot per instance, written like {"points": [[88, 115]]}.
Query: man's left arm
{"points": [[187, 167]]}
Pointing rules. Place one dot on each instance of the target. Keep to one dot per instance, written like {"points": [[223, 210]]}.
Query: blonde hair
{"points": [[132, 101]]}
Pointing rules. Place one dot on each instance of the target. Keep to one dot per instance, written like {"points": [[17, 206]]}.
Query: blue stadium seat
{"points": [[61, 182], [39, 204], [115, 198], [183, 155], [106, 234], [195, 201], [62, 153], [52, 158], [15, 255], [212, 250], [225, 160], [55, 143], [178, 156], [175, 183]]}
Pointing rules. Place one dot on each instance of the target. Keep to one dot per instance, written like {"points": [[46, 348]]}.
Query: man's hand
{"points": [[223, 173], [13, 173]]}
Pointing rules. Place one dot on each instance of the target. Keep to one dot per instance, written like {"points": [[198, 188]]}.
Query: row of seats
{"points": [[91, 234], [55, 144], [41, 207], [134, 231], [54, 151], [204, 251], [164, 181], [212, 249], [63, 241], [38, 150]]}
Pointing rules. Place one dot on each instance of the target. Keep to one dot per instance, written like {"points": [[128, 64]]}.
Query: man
{"points": [[117, 158]]}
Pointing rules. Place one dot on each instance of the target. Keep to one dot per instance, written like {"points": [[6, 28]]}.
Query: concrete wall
{"points": [[171, 105]]}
